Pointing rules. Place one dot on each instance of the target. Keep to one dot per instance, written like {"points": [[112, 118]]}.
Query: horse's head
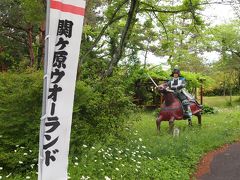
{"points": [[163, 88], [167, 93]]}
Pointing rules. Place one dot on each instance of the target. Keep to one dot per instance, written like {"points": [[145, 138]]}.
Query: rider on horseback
{"points": [[177, 83]]}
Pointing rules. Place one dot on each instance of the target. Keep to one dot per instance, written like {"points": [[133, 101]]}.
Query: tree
{"points": [[124, 28], [225, 40], [20, 24]]}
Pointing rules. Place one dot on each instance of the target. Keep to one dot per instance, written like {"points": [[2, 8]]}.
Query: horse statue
{"points": [[172, 109]]}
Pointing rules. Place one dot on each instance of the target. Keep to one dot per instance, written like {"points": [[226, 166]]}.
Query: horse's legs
{"points": [[171, 125], [189, 122], [158, 123], [199, 115]]}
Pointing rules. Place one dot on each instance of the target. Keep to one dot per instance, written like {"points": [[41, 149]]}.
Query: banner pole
{"points": [[45, 86]]}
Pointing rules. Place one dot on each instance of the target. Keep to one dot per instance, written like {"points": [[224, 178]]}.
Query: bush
{"points": [[101, 110], [20, 111], [208, 110]]}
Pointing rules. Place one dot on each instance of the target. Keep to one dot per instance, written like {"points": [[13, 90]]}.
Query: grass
{"points": [[221, 101], [146, 155]]}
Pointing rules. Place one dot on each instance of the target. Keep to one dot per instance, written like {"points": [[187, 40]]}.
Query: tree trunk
{"points": [[119, 50], [41, 45], [30, 46], [230, 94], [146, 54]]}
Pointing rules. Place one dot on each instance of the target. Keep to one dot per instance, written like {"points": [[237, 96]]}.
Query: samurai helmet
{"points": [[176, 71]]}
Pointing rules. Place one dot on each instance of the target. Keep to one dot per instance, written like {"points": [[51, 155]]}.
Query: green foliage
{"points": [[208, 110], [195, 79], [20, 108], [99, 111]]}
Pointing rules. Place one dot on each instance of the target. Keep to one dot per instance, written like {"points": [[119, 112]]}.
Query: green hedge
{"points": [[100, 110]]}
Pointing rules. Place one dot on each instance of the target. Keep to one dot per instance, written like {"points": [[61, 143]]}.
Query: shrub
{"points": [[20, 111], [100, 111], [208, 110]]}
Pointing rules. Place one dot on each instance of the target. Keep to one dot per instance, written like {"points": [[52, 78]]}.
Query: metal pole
{"points": [[45, 90]]}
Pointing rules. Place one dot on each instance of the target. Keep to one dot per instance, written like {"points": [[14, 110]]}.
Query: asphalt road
{"points": [[225, 165]]}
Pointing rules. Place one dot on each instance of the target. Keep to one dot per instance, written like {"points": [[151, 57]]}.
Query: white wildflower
{"points": [[136, 170], [117, 169], [1, 136], [17, 145], [76, 163], [28, 177], [76, 158], [107, 178], [22, 147], [133, 160], [30, 150], [93, 147], [20, 162], [1, 168], [8, 175], [123, 165], [84, 145], [144, 147], [0, 177], [25, 154]]}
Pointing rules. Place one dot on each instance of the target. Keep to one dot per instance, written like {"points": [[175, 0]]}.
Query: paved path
{"points": [[224, 165]]}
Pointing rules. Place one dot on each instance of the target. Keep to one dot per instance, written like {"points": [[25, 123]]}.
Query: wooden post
{"points": [[201, 92]]}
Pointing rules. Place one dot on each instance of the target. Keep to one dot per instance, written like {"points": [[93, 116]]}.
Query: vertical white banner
{"points": [[64, 37]]}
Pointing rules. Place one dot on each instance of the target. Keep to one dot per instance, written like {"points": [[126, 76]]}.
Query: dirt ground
{"points": [[220, 164]]}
